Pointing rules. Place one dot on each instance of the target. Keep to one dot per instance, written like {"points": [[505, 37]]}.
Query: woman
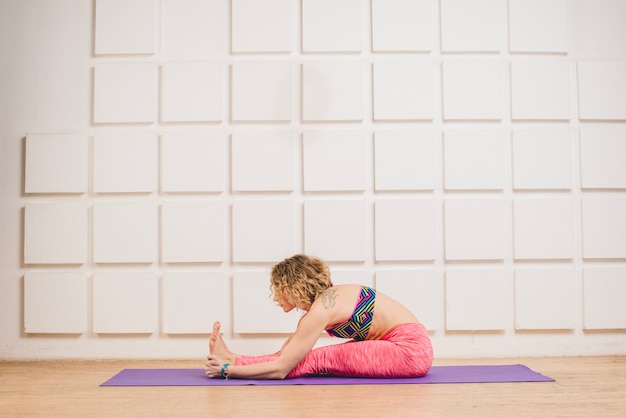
{"points": [[386, 338]]}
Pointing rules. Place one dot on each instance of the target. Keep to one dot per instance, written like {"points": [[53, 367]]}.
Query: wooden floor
{"points": [[584, 387]]}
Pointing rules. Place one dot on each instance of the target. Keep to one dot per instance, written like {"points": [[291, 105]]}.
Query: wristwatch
{"points": [[224, 371]]}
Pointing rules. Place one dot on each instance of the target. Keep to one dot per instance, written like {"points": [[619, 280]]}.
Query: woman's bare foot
{"points": [[218, 347]]}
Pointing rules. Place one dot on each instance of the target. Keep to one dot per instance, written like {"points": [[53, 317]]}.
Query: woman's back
{"points": [[340, 302]]}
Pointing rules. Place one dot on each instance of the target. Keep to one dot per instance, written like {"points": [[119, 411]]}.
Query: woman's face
{"points": [[284, 302]]}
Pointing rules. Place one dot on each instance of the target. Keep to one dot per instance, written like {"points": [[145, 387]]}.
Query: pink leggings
{"points": [[405, 351]]}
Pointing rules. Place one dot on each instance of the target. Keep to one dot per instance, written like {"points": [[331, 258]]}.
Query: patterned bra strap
{"points": [[364, 311]]}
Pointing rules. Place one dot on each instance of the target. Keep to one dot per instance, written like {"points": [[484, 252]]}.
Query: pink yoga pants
{"points": [[405, 351]]}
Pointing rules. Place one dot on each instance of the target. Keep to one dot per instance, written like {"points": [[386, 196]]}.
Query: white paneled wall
{"points": [[465, 157]]}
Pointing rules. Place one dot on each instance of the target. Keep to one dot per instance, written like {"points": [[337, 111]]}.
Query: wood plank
{"points": [[585, 386]]}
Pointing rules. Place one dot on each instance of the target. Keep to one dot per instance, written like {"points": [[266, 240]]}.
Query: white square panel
{"points": [[334, 160], [332, 26], [254, 151], [261, 26], [603, 23], [405, 229], [192, 162], [475, 229], [540, 89], [336, 230], [194, 29], [475, 159], [421, 291], [124, 232], [602, 90], [542, 159], [192, 92], [55, 302], [124, 162], [538, 25], [333, 91], [263, 230], [186, 308], [125, 27], [545, 298], [404, 90], [251, 294], [604, 227], [473, 89], [261, 91], [543, 228], [402, 25], [192, 231], [471, 25], [124, 93], [603, 157], [55, 233], [603, 298], [56, 163], [406, 160], [478, 300], [124, 302]]}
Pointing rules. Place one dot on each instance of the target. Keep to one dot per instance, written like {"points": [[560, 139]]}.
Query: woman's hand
{"points": [[213, 366]]}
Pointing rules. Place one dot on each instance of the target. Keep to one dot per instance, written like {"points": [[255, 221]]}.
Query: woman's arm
{"points": [[295, 349]]}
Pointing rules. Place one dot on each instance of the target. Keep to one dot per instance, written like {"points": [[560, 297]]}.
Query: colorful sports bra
{"points": [[358, 325]]}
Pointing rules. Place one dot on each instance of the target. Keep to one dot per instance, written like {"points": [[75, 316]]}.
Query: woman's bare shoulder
{"points": [[339, 292], [337, 299]]}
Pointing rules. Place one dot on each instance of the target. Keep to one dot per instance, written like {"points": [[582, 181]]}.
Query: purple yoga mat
{"points": [[437, 374]]}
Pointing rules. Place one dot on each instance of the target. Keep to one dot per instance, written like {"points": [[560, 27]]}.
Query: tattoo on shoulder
{"points": [[328, 298]]}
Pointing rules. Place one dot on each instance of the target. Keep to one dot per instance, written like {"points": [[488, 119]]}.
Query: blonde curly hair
{"points": [[300, 279]]}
